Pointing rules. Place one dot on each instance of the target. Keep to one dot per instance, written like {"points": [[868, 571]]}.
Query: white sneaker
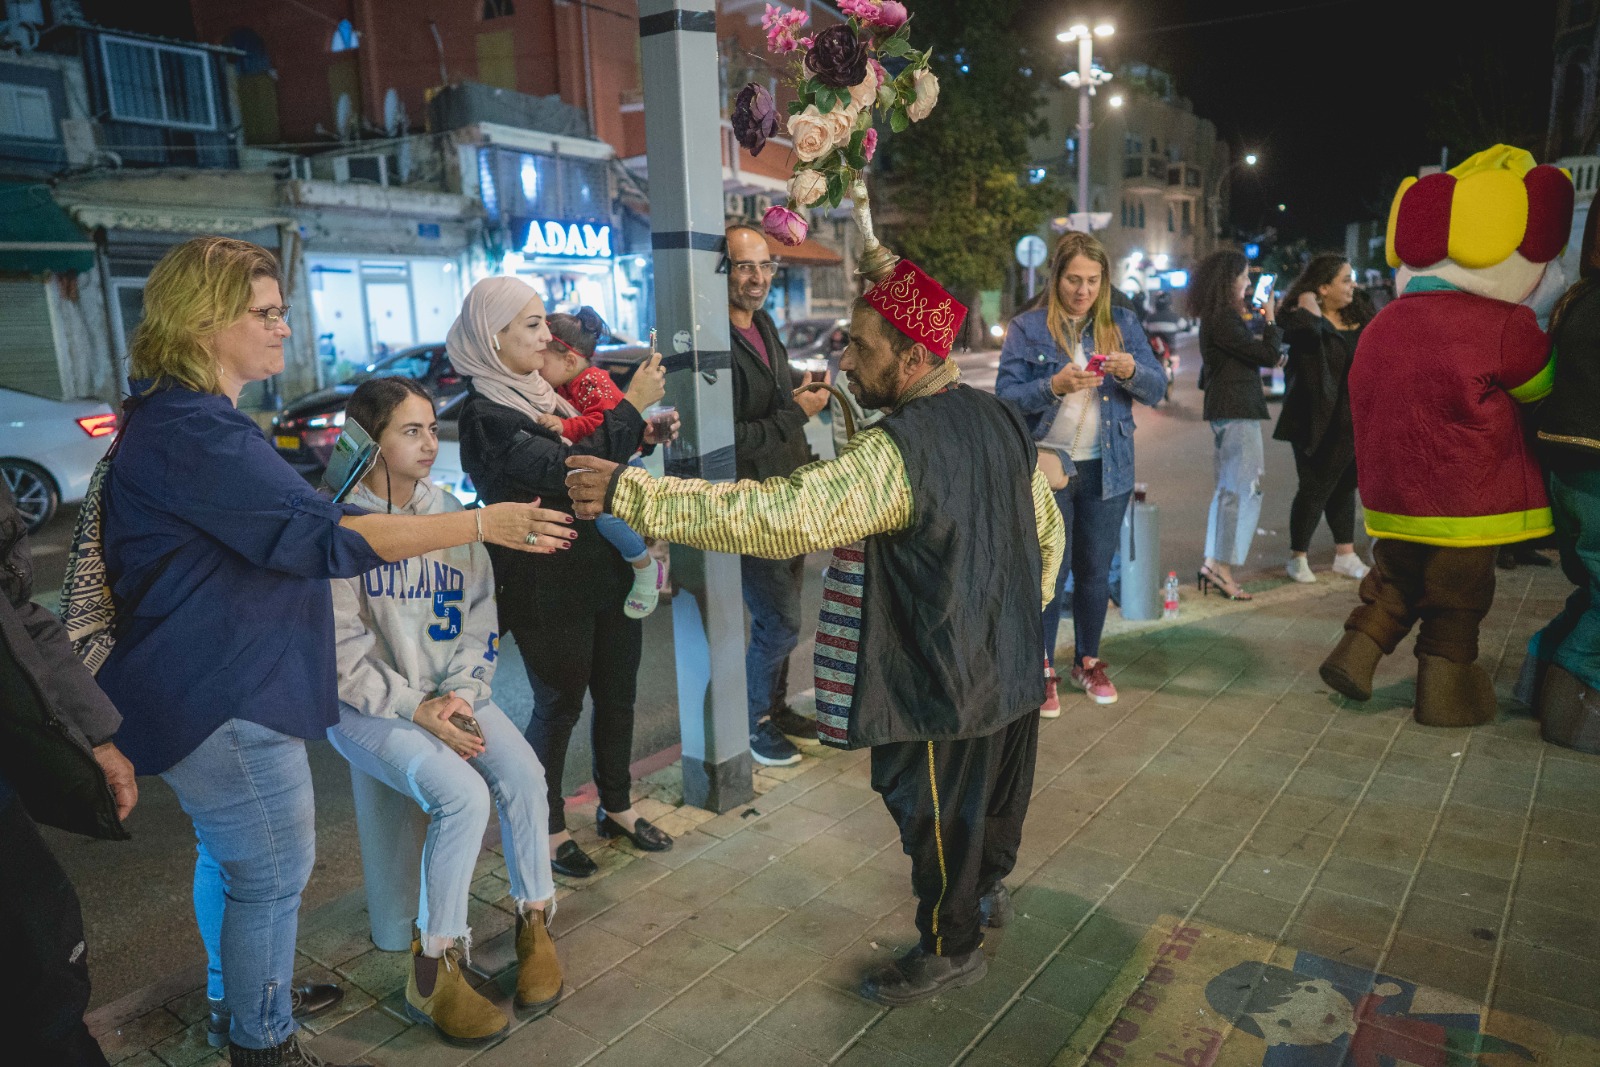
{"points": [[1350, 566], [1299, 569]]}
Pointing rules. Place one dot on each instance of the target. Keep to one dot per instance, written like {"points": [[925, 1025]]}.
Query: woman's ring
{"points": [[531, 539]]}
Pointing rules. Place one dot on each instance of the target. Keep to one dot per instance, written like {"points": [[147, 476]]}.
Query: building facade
{"points": [[1574, 128], [1157, 176]]}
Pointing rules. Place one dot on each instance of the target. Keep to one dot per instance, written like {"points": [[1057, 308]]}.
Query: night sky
{"points": [[1340, 100]]}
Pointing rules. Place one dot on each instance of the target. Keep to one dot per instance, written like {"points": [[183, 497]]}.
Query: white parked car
{"points": [[48, 449]]}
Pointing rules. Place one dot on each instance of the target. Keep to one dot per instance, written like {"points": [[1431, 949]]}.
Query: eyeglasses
{"points": [[270, 317], [746, 269]]}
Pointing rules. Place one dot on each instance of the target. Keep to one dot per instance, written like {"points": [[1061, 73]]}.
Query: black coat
{"points": [[1316, 398], [769, 428], [1569, 421], [54, 712], [510, 457], [1231, 362]]}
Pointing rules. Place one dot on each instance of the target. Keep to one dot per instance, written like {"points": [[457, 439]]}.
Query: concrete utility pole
{"points": [[1085, 79], [678, 45]]}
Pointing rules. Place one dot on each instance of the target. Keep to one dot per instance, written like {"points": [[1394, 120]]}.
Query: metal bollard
{"points": [[1141, 561], [391, 826]]}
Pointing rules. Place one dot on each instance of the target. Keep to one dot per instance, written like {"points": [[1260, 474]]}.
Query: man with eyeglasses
{"points": [[769, 437]]}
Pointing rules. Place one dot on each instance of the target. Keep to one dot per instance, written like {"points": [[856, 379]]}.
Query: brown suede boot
{"points": [[1453, 694], [437, 993], [1569, 711], [1348, 668], [538, 968]]}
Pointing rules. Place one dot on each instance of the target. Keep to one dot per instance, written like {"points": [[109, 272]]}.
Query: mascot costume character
{"points": [[1445, 467]]}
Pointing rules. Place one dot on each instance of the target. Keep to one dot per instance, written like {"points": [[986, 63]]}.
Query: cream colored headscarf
{"points": [[491, 306]]}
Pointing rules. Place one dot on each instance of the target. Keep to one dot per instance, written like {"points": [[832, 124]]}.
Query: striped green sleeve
{"points": [[1052, 534], [820, 506]]}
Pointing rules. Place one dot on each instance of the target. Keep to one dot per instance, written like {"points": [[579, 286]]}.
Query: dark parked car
{"points": [[305, 430]]}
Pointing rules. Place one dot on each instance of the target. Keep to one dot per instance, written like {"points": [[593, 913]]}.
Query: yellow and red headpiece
{"points": [[1478, 214]]}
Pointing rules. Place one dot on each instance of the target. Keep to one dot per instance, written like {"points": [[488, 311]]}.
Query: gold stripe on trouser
{"points": [[938, 847]]}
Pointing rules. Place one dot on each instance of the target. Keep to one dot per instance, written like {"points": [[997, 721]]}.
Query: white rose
{"points": [[925, 86], [864, 92], [816, 134], [806, 188]]}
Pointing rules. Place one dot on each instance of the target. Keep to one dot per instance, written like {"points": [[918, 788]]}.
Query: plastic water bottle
{"points": [[1169, 598]]}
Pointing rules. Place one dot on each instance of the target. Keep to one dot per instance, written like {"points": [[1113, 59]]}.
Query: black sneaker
{"points": [[768, 746], [918, 976], [994, 907], [794, 724]]}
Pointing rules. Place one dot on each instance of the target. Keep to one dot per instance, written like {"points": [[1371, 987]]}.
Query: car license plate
{"points": [[287, 441]]}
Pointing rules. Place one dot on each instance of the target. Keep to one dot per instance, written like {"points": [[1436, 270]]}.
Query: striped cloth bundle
{"points": [[838, 642]]}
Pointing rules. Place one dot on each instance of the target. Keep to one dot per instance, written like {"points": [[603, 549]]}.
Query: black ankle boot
{"points": [[305, 1002], [919, 975], [289, 1054], [994, 907]]}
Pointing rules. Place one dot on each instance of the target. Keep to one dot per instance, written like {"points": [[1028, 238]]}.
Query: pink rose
{"points": [[784, 226], [891, 15], [807, 187], [864, 92], [869, 144], [925, 87]]}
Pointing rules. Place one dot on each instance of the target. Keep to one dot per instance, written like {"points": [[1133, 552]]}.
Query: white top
{"points": [[1075, 408]]}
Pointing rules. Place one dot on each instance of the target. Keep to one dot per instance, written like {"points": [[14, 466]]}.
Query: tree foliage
{"points": [[958, 178]]}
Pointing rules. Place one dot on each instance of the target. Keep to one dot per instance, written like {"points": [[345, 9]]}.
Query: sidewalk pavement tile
{"points": [[1227, 785]]}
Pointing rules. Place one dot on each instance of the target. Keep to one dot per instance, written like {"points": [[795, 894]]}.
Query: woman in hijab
{"points": [[567, 616]]}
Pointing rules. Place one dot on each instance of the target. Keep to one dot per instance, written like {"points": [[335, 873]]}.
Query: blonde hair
{"points": [[1107, 338], [197, 290]]}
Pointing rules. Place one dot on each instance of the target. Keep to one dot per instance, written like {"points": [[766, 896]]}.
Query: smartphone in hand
{"points": [[468, 724], [1263, 289], [1097, 365]]}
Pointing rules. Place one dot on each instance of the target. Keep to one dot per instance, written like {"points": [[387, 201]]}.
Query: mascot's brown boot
{"points": [[1569, 712], [1348, 668], [437, 993], [538, 968], [1453, 694]]}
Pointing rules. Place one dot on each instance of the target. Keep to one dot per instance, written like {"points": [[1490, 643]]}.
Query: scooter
{"points": [[1162, 347]]}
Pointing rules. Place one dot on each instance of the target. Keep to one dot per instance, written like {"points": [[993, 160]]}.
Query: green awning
{"points": [[36, 235]]}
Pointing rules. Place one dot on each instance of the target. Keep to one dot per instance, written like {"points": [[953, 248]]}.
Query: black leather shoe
{"points": [[572, 861], [918, 976], [995, 906], [794, 724], [644, 835], [305, 1002]]}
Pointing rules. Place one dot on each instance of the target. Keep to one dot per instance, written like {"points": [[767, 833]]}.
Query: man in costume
{"points": [[1444, 466], [947, 544]]}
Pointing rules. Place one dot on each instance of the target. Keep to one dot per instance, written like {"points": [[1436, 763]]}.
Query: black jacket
{"points": [[937, 662], [1231, 361], [769, 428], [508, 456], [53, 713], [1316, 397], [1569, 421]]}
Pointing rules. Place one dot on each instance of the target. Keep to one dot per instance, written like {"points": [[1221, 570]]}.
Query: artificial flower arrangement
{"points": [[841, 87]]}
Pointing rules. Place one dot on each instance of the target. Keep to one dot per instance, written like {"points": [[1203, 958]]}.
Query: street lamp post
{"points": [[1085, 79]]}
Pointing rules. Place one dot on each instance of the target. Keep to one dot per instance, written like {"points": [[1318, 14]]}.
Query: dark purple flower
{"points": [[838, 58], [755, 117]]}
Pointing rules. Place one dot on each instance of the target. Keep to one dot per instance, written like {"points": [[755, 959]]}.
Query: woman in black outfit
{"points": [[566, 615], [1322, 323], [1232, 356]]}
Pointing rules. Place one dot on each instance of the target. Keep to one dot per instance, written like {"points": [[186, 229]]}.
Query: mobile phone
{"points": [[652, 338], [1263, 289], [1097, 364], [467, 723]]}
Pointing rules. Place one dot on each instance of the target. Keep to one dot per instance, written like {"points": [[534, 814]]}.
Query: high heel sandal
{"points": [[1207, 580]]}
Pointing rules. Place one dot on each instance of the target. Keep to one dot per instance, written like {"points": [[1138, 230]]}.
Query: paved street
{"points": [[1227, 811]]}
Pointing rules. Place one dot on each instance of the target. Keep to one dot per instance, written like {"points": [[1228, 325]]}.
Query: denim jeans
{"points": [[621, 537], [1236, 505], [457, 795], [772, 595], [247, 789], [1572, 638], [1093, 530]]}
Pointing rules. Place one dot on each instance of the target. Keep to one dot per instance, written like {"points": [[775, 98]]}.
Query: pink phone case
{"points": [[1097, 365]]}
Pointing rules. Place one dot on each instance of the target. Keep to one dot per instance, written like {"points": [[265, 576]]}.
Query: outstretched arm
{"points": [[822, 505]]}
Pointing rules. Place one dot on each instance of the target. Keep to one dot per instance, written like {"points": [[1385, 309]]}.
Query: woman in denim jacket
{"points": [[1083, 423]]}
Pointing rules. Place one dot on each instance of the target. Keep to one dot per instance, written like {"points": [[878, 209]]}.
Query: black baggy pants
{"points": [[45, 993], [959, 806]]}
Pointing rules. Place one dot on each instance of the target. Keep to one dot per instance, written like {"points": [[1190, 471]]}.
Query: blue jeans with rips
{"points": [[247, 789]]}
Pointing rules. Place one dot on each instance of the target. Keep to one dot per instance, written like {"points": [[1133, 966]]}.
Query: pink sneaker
{"points": [[1093, 680], [1051, 708]]}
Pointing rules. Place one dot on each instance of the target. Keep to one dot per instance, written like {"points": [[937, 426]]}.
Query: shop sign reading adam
{"points": [[573, 240]]}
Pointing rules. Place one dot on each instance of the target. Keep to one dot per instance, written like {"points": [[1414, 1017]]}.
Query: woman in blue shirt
{"points": [[1082, 421], [219, 556]]}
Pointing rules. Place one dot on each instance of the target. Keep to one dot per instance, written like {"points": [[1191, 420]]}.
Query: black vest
{"points": [[952, 644]]}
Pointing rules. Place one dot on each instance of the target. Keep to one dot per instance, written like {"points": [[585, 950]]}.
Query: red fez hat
{"points": [[918, 307]]}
